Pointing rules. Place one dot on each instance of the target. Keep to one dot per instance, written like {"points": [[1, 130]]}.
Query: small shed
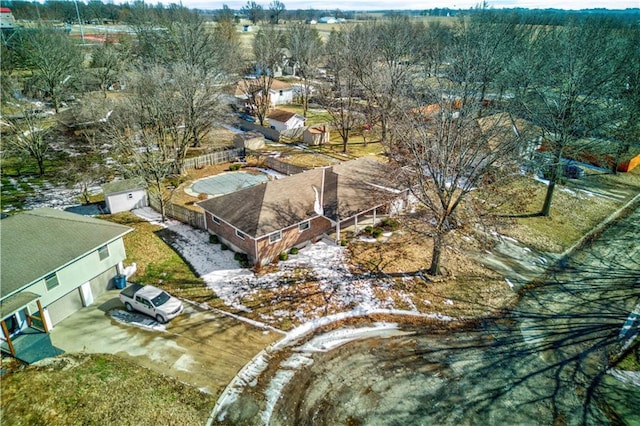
{"points": [[125, 195], [249, 140], [280, 119], [317, 135]]}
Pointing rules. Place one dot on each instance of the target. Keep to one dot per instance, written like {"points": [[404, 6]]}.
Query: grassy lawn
{"points": [[158, 264], [573, 212], [98, 389]]}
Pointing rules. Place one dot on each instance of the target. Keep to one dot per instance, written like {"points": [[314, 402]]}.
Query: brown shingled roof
{"points": [[244, 85], [281, 115], [346, 189]]}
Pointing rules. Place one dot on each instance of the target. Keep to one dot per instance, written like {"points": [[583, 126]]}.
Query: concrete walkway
{"points": [[200, 347]]}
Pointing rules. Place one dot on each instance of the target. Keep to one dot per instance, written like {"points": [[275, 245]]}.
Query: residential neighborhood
{"points": [[256, 214]]}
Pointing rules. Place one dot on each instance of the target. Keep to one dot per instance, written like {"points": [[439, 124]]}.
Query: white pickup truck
{"points": [[152, 301]]}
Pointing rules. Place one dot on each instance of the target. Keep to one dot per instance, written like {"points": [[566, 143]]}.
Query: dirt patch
{"points": [[465, 288]]}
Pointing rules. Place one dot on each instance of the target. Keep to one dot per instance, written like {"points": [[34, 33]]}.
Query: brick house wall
{"points": [[267, 250], [292, 237], [228, 235]]}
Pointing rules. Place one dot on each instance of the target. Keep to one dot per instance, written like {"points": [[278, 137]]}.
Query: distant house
{"points": [[7, 21], [280, 119], [247, 28], [52, 264], [317, 135], [280, 92], [299, 209], [327, 20], [125, 195]]}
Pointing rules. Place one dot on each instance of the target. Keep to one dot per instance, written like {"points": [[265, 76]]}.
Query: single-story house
{"points": [[280, 119], [125, 195], [53, 264], [279, 93], [249, 140], [316, 135], [267, 219]]}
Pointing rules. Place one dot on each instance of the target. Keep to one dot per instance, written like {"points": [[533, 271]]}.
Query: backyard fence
{"points": [[180, 213], [282, 167], [217, 157]]}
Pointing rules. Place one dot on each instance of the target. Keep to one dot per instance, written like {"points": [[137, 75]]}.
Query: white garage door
{"points": [[65, 306]]}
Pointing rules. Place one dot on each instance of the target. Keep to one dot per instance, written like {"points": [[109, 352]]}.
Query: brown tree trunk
{"points": [[438, 244], [546, 207]]}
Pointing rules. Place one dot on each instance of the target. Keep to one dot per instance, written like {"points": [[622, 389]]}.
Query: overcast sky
{"points": [[413, 4]]}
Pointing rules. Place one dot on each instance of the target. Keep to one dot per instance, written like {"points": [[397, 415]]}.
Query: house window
{"points": [[281, 93], [215, 219], [276, 236], [304, 226], [130, 196], [103, 252], [51, 281], [240, 235]]}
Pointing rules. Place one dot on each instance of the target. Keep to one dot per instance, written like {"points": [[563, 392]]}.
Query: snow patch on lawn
{"points": [[231, 283]]}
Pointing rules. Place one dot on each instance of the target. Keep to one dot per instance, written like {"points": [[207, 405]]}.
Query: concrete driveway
{"points": [[200, 347]]}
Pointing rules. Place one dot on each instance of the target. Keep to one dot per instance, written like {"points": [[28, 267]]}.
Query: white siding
{"points": [[125, 201]]}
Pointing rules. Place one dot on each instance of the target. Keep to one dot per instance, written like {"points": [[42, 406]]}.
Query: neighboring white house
{"points": [[280, 92], [125, 195], [280, 119]]}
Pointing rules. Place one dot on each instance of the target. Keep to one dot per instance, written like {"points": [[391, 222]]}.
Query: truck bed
{"points": [[129, 291]]}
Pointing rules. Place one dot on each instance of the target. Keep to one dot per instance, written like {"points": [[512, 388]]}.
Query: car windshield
{"points": [[160, 299]]}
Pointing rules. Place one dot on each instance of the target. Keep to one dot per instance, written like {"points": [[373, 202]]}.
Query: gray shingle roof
{"points": [[123, 185], [37, 242], [345, 189]]}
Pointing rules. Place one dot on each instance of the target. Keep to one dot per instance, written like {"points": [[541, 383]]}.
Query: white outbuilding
{"points": [[125, 195]]}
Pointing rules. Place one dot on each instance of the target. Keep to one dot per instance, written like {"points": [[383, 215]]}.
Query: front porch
{"points": [[31, 345], [25, 335]]}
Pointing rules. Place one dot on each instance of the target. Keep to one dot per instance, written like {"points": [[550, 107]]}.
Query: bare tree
{"points": [[563, 82], [305, 45], [52, 58], [137, 151], [443, 153], [107, 61], [199, 99], [379, 60], [339, 97], [30, 138], [276, 7], [253, 11], [267, 49], [624, 127]]}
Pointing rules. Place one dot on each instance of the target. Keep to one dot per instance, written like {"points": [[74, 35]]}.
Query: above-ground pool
{"points": [[228, 182]]}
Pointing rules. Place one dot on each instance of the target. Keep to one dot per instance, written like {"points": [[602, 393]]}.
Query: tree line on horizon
{"points": [[437, 96], [97, 11]]}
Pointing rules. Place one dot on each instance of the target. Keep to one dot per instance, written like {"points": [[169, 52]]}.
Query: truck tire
{"points": [[128, 306], [160, 319]]}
